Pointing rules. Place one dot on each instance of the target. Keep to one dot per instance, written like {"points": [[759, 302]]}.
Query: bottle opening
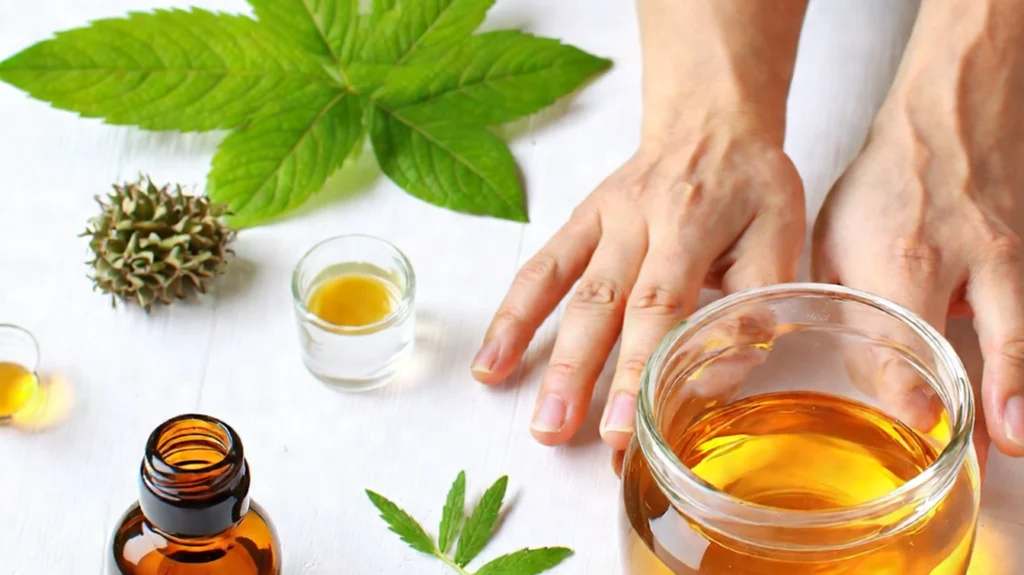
{"points": [[194, 480], [193, 445]]}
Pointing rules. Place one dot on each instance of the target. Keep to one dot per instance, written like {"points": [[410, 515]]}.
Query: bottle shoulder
{"points": [[249, 548]]}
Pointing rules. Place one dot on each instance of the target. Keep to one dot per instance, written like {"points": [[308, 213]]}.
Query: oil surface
{"points": [[352, 299], [17, 386], [797, 451]]}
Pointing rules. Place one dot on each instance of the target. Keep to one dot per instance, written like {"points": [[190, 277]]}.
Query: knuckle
{"points": [[540, 269], [1011, 352], [634, 190], [690, 198], [1003, 248], [656, 300], [632, 366], [564, 367], [596, 294], [509, 315], [917, 257]]}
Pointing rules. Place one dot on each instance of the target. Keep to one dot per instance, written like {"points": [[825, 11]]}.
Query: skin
{"points": [[927, 216]]}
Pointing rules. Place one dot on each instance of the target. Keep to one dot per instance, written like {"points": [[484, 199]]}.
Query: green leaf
{"points": [[526, 561], [462, 168], [477, 531], [166, 70], [402, 524], [324, 27], [451, 517], [492, 78], [275, 164], [403, 35]]}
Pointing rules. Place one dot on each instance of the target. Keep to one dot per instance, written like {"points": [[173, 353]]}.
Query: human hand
{"points": [[930, 216], [720, 206]]}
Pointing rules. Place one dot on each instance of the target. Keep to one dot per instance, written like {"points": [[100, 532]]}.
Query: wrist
{"points": [[688, 117], [722, 64], [963, 69]]}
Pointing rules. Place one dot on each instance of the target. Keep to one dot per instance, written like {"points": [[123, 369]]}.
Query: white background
{"points": [[234, 354]]}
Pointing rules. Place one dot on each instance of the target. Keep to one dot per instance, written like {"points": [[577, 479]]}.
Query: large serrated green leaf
{"points": [[492, 78], [166, 70], [324, 27], [526, 561], [420, 26], [455, 166], [275, 164]]}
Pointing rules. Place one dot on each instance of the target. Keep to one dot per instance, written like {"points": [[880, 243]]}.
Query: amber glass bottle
{"points": [[194, 516]]}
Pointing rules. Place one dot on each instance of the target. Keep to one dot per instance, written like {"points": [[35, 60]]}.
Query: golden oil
{"points": [[353, 295], [797, 451], [17, 387]]}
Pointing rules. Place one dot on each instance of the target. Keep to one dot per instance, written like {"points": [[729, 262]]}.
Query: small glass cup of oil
{"points": [[19, 359], [354, 301]]}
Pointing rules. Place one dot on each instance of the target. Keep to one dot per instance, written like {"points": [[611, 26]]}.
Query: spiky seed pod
{"points": [[152, 244]]}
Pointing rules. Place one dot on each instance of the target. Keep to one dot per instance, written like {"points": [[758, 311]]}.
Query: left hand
{"points": [[929, 216]]}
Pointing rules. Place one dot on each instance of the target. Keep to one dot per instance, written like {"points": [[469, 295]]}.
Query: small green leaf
{"points": [[526, 561], [492, 78], [276, 163], [165, 70], [478, 528], [451, 517], [402, 524], [462, 168], [418, 25], [324, 27]]}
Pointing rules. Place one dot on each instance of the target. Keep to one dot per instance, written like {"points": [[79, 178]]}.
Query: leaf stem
{"points": [[451, 563]]}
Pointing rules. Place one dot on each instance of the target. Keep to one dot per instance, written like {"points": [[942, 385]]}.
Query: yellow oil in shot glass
{"points": [[354, 299], [19, 359]]}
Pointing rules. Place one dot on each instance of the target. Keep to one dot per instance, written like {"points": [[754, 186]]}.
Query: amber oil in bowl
{"points": [[770, 442]]}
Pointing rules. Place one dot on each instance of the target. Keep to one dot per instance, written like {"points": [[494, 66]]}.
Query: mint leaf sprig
{"points": [[302, 84], [472, 535]]}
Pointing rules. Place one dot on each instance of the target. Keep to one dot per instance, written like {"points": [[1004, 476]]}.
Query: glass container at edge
{"points": [[798, 337]]}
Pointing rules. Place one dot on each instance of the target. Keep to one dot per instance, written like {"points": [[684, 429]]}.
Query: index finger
{"points": [[538, 287]]}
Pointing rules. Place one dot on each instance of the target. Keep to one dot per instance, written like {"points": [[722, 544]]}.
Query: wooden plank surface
{"points": [[233, 354]]}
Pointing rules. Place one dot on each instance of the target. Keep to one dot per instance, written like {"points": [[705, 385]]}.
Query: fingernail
{"points": [[486, 358], [550, 414], [1013, 419], [621, 413]]}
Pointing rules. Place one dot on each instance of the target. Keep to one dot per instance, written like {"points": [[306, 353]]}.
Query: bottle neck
{"points": [[194, 480]]}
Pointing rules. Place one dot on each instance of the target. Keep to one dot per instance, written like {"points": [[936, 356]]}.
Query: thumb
{"points": [[996, 293]]}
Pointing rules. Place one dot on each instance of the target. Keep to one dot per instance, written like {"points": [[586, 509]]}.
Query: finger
{"points": [[912, 279], [666, 291], [996, 294], [756, 266], [724, 353], [962, 336], [591, 325], [537, 289]]}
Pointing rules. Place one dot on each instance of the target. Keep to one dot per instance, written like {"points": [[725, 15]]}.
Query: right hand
{"points": [[715, 204]]}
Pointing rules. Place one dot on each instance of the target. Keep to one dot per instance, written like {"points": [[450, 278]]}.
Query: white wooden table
{"points": [[234, 354]]}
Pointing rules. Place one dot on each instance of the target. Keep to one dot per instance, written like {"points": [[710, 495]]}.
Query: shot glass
{"points": [[19, 360], [364, 357]]}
